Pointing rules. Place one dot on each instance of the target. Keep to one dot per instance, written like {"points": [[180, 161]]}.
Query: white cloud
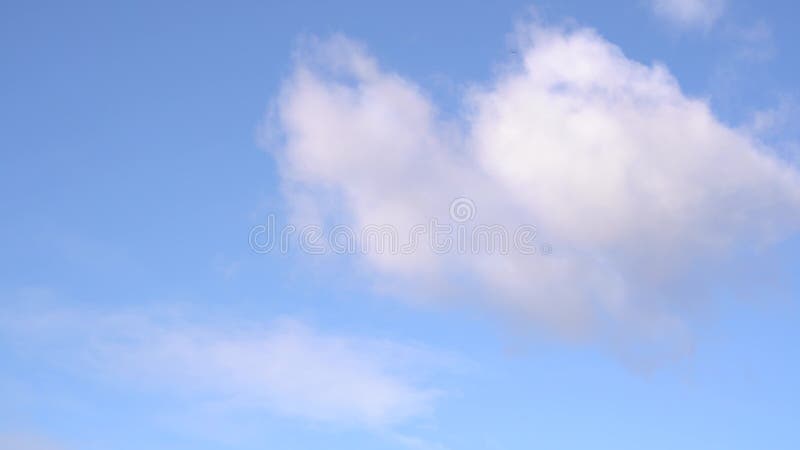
{"points": [[620, 171], [690, 13], [283, 367]]}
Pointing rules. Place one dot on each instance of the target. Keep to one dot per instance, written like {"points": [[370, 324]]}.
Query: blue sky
{"points": [[653, 144]]}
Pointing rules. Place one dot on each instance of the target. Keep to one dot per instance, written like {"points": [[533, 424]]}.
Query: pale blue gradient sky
{"points": [[131, 173]]}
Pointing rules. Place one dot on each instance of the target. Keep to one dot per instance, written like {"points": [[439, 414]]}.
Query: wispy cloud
{"points": [[689, 13], [284, 367], [754, 43], [21, 441], [619, 170]]}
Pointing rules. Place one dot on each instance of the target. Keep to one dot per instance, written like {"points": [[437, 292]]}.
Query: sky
{"points": [[220, 225]]}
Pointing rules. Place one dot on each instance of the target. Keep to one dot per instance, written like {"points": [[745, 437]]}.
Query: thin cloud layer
{"points": [[284, 367], [690, 13], [619, 170], [19, 441]]}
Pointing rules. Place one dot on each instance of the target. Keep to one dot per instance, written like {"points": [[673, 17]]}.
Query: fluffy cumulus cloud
{"points": [[636, 186], [690, 13], [284, 367]]}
